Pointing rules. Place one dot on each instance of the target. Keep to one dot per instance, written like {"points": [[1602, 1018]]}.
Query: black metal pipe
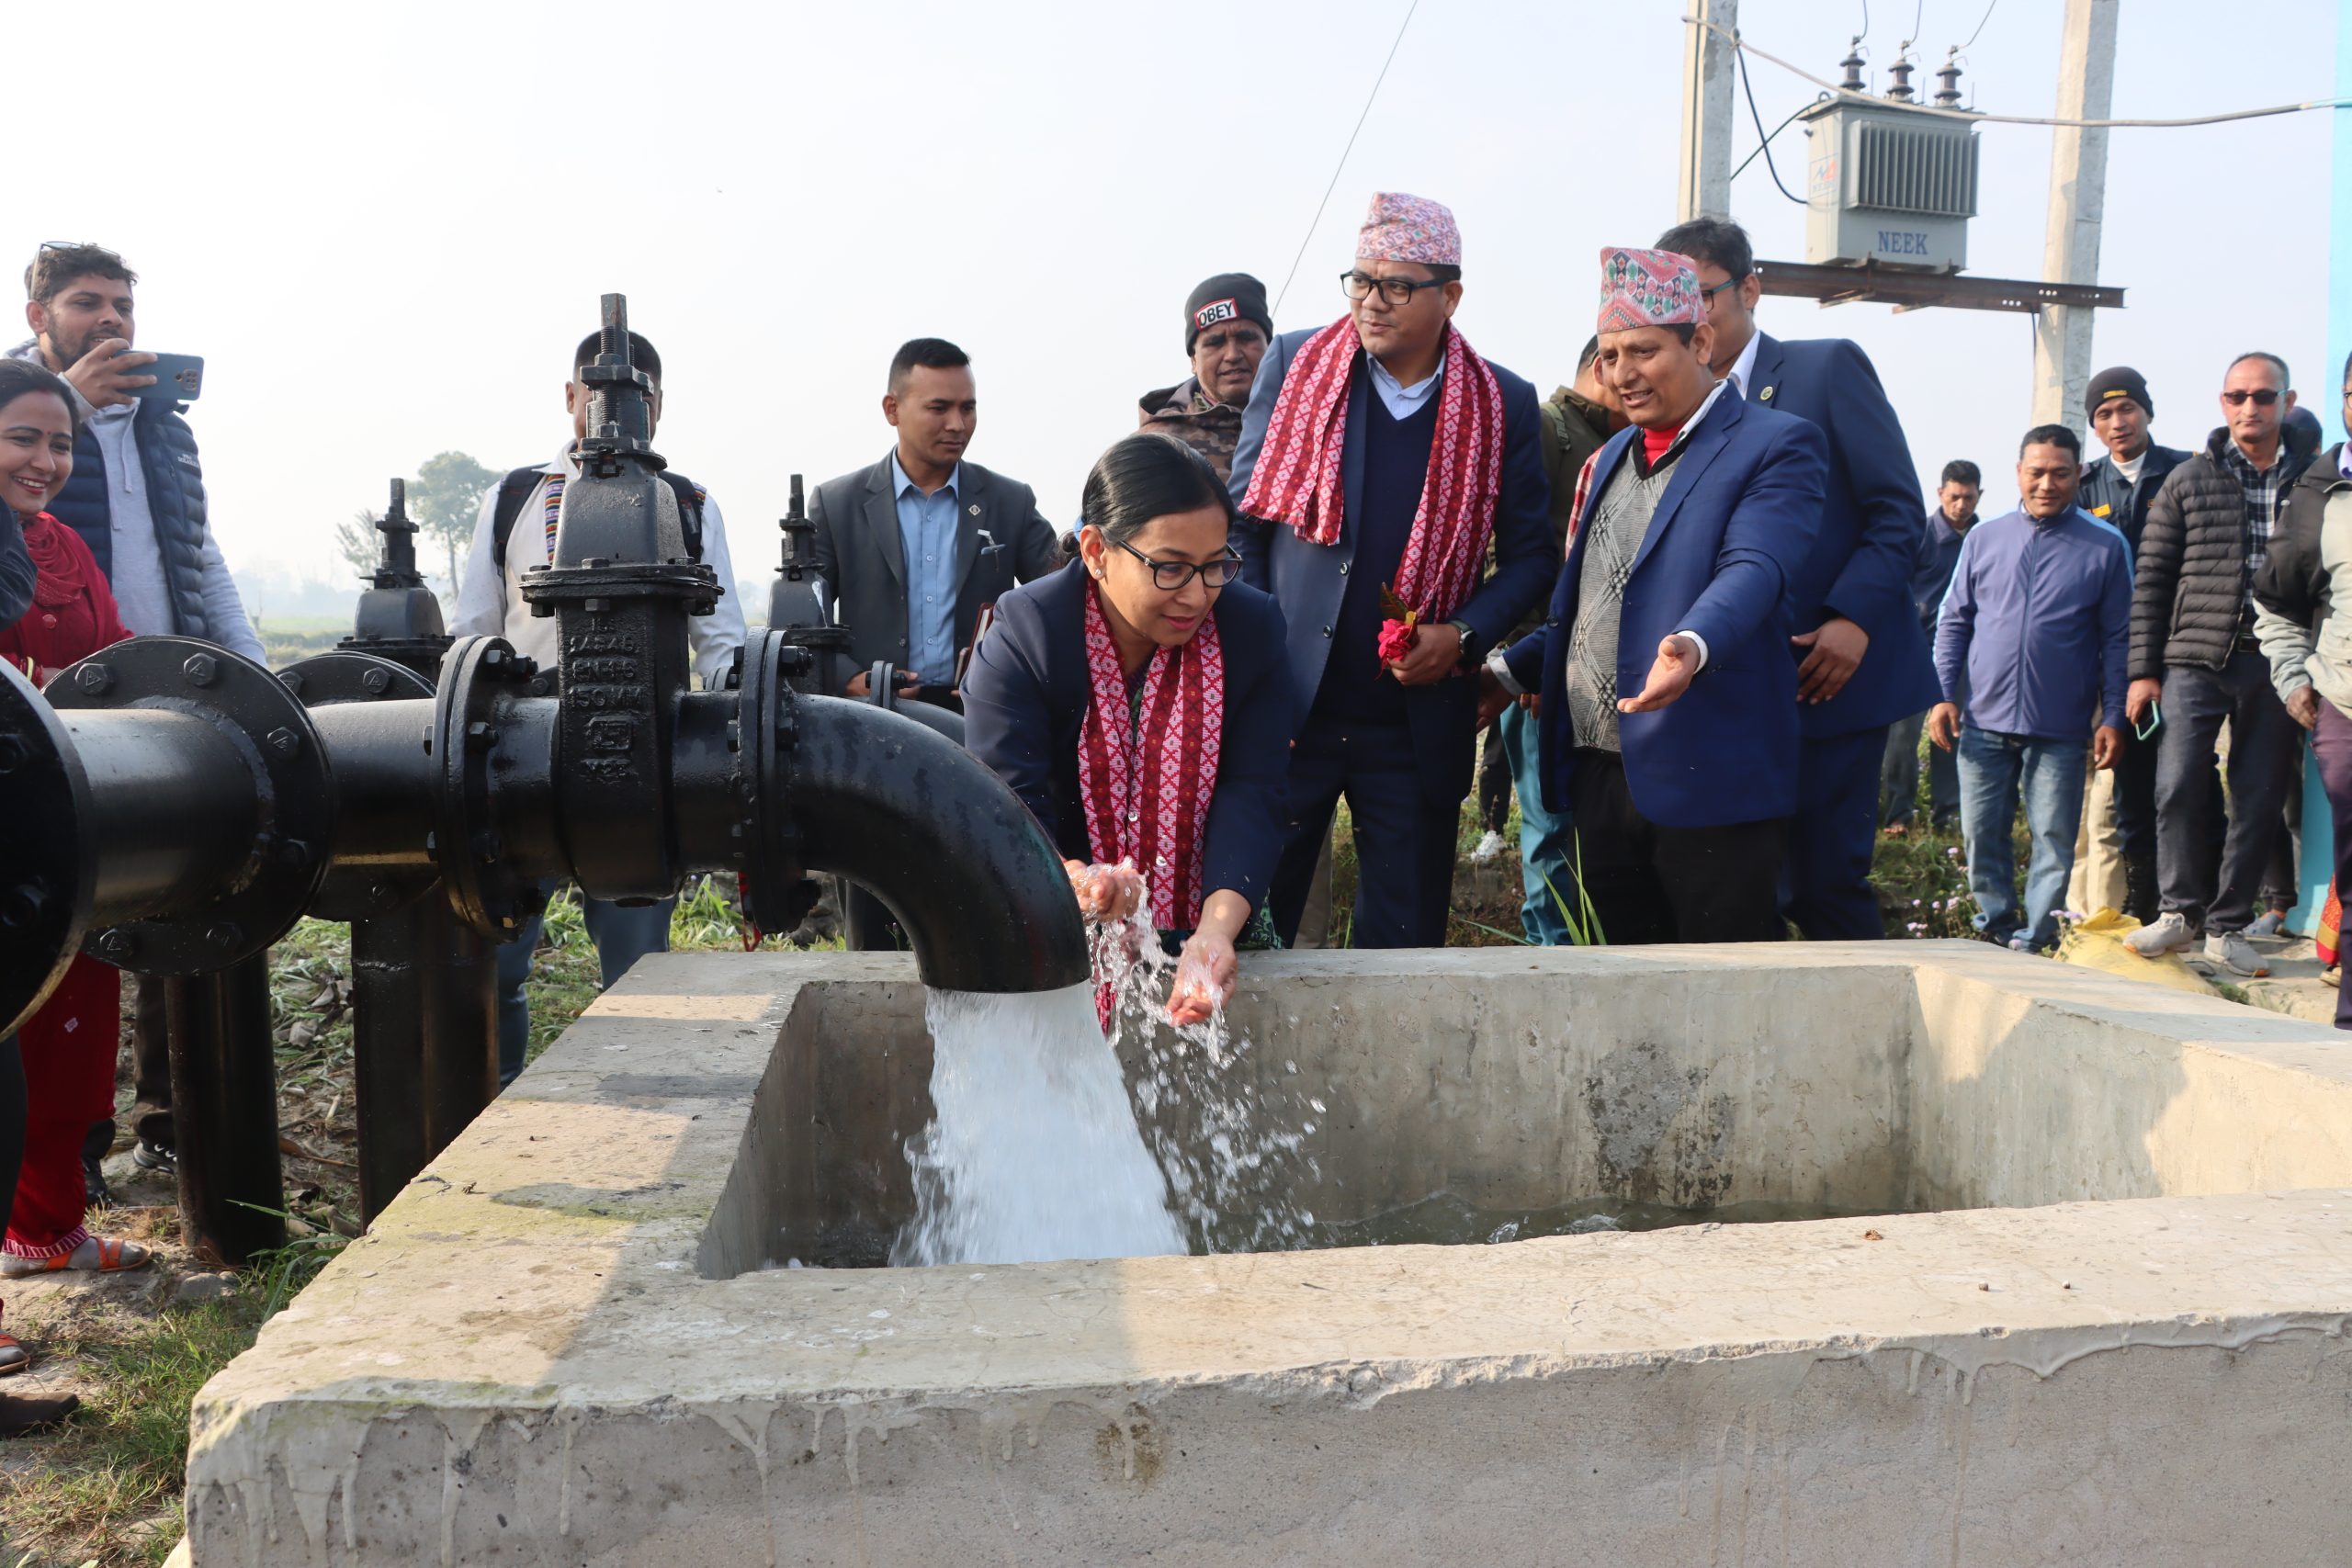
{"points": [[224, 1112], [896, 807], [177, 800], [424, 1040], [383, 780]]}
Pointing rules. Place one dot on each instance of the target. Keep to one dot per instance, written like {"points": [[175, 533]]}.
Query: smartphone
{"points": [[179, 377], [2155, 716]]}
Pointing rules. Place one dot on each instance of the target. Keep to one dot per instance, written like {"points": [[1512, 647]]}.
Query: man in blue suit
{"points": [[1865, 661], [1696, 524], [1377, 459]]}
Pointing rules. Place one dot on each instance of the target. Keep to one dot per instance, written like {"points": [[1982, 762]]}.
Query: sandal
{"points": [[14, 1358], [114, 1258]]}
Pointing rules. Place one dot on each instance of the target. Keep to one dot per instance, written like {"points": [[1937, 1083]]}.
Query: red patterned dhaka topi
{"points": [[1298, 480], [1146, 785]]}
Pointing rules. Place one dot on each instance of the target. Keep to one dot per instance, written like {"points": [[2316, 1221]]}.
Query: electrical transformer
{"points": [[1888, 184]]}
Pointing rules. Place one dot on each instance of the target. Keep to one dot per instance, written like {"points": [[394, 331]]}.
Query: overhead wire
{"points": [[1309, 238], [1980, 25], [1764, 144], [1976, 117]]}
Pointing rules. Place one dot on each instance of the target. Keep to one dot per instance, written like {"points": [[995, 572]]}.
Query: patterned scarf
{"points": [[1145, 773], [1298, 482]]}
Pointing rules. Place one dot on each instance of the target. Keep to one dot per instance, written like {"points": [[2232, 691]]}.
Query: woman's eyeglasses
{"points": [[1171, 575], [2263, 398]]}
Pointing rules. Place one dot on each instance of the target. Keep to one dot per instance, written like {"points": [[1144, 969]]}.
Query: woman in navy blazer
{"points": [[1100, 691]]}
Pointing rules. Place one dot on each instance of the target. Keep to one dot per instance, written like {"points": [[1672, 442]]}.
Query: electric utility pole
{"points": [[2062, 333], [1703, 187]]}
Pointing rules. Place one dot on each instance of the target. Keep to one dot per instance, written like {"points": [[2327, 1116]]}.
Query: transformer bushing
{"points": [[191, 806]]}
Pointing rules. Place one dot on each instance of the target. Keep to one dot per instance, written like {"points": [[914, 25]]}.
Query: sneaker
{"points": [[1488, 847], [2169, 934], [155, 1157], [2273, 923], [2232, 951], [2022, 943]]}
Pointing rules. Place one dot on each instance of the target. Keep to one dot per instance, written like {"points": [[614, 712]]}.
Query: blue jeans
{"points": [[622, 937], [1543, 837], [1993, 768]]}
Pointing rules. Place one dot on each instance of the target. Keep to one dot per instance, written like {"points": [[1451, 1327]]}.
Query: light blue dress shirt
{"points": [[927, 534]]}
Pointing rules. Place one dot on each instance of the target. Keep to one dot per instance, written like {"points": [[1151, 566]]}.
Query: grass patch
{"points": [[107, 1488]]}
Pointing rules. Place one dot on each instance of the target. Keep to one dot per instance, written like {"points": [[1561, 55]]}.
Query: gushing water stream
{"points": [[1034, 1153]]}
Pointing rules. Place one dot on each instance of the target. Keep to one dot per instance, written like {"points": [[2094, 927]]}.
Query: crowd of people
{"points": [[1691, 598]]}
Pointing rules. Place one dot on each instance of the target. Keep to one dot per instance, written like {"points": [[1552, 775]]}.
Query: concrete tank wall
{"points": [[546, 1351]]}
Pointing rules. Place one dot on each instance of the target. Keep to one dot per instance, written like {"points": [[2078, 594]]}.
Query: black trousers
{"points": [[1651, 883], [1404, 840], [150, 1058]]}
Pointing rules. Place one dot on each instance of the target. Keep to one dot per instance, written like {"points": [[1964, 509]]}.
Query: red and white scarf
{"points": [[1146, 783], [1298, 480]]}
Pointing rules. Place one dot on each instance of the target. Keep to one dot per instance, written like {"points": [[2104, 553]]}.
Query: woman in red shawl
{"points": [[67, 1048]]}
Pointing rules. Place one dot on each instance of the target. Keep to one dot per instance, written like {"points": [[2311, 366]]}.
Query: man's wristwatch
{"points": [[1471, 652]]}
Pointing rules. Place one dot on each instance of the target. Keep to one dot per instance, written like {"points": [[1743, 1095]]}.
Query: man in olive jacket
{"points": [[2194, 651]]}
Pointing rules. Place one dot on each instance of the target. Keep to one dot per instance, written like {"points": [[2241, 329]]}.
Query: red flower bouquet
{"points": [[1401, 631]]}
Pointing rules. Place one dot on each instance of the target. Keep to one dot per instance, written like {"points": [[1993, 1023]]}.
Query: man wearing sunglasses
{"points": [[1862, 661], [2306, 632], [1378, 459], [2194, 651]]}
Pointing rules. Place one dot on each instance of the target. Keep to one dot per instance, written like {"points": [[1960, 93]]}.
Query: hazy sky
{"points": [[386, 230]]}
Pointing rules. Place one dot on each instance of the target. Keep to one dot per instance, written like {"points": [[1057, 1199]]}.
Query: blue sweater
{"points": [[2037, 624]]}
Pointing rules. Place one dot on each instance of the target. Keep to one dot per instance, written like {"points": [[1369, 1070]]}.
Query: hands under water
{"points": [[1205, 969]]}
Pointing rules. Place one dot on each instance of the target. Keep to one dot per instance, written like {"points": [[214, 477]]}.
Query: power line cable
{"points": [[1980, 25], [1368, 97], [1975, 118], [1776, 130], [1918, 14], [1764, 144]]}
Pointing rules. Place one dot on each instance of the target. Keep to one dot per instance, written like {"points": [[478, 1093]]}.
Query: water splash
{"points": [[1232, 1152], [1034, 1153]]}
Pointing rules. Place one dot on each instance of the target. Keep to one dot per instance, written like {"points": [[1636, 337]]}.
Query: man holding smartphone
{"points": [[136, 497]]}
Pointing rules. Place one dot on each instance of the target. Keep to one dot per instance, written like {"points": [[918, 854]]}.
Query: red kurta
{"points": [[69, 1047]]}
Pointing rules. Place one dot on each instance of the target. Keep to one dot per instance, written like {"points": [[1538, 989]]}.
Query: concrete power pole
{"points": [[1704, 185], [2062, 333]]}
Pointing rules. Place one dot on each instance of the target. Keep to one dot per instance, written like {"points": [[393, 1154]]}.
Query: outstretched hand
{"points": [[1205, 970], [1670, 676], [1105, 892]]}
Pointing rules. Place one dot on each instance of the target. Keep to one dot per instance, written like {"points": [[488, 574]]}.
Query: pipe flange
{"points": [[478, 674], [270, 729], [353, 675], [596, 585], [51, 870], [768, 858]]}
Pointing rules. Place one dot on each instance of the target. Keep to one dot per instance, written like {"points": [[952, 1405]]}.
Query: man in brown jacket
{"points": [[1226, 328]]}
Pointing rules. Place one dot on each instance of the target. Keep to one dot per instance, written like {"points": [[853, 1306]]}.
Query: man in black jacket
{"points": [[2307, 635], [2194, 651], [2115, 857]]}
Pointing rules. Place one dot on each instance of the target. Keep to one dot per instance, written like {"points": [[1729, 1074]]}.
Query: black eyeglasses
{"points": [[1169, 575], [2262, 399], [1396, 290]]}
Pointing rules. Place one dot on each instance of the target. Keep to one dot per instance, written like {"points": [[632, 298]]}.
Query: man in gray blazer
{"points": [[916, 545]]}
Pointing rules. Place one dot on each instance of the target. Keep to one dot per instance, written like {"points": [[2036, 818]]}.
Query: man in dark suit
{"points": [[915, 547], [1669, 720], [1378, 457], [1865, 662]]}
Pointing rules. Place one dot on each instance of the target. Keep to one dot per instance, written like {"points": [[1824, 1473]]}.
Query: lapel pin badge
{"points": [[974, 509], [1765, 396]]}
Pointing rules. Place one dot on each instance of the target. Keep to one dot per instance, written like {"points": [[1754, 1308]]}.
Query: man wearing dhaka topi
{"points": [[1670, 713], [1378, 457]]}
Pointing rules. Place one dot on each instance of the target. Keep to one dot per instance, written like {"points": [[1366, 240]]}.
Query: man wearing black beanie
{"points": [[2115, 853], [1226, 328]]}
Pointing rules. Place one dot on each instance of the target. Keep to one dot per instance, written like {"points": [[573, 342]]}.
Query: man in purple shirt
{"points": [[2036, 631]]}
